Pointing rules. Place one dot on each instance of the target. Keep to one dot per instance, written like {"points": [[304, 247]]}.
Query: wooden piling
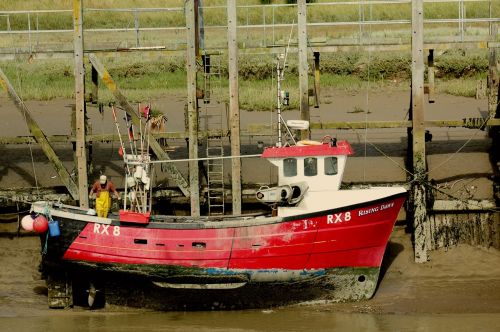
{"points": [[303, 66], [94, 93], [191, 35], [493, 93], [81, 153], [418, 136], [493, 79], [316, 79], [430, 75], [234, 109]]}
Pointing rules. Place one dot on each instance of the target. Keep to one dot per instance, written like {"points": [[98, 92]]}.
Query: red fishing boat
{"points": [[317, 236], [317, 230]]}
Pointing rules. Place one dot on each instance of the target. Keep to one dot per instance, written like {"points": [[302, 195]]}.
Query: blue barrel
{"points": [[54, 228]]}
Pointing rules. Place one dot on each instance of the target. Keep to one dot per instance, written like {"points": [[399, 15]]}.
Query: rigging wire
{"points": [[462, 147], [26, 121], [385, 155], [368, 87], [429, 183]]}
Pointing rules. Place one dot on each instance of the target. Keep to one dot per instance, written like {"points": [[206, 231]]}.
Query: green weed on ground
{"points": [[457, 73]]}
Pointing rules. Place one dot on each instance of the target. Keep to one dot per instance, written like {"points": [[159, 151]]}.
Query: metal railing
{"points": [[259, 25]]}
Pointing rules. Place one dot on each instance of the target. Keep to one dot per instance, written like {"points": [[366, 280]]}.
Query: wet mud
{"points": [[458, 289]]}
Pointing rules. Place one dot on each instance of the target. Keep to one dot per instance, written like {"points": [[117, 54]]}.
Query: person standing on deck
{"points": [[102, 189]]}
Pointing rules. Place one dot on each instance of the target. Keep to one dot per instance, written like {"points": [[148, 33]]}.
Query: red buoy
{"points": [[41, 224]]}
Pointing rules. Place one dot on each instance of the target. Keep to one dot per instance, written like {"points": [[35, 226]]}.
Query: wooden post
{"points": [[153, 143], [234, 109], [303, 66], [430, 75], [81, 153], [94, 94], [493, 79], [418, 134], [316, 80], [493, 93], [191, 13], [40, 137]]}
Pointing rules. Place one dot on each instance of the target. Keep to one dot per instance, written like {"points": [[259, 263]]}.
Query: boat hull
{"points": [[342, 247]]}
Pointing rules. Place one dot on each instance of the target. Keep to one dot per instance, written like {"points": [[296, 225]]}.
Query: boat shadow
{"points": [[391, 252]]}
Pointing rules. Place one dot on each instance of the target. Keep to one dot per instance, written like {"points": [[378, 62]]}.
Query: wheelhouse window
{"points": [[310, 166], [331, 166], [289, 167]]}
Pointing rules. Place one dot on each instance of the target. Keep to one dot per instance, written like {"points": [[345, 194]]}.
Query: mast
{"points": [[283, 99], [283, 96], [280, 78]]}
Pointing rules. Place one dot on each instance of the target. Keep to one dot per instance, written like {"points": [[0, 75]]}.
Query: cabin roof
{"points": [[343, 148]]}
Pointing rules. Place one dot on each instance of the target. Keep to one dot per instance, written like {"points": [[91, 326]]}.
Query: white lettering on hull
{"points": [[381, 207], [339, 217], [102, 229]]}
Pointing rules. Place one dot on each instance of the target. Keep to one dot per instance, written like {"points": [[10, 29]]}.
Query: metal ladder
{"points": [[214, 125]]}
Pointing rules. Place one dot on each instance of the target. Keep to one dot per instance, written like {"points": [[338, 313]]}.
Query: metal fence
{"points": [[259, 26]]}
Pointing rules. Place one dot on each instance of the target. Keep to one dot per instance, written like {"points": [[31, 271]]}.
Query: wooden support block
{"points": [[60, 291]]}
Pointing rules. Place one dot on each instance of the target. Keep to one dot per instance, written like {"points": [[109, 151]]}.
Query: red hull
{"points": [[351, 237]]}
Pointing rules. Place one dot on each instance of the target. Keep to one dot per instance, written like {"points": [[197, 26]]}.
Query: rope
{"points": [[197, 159], [384, 154], [428, 183], [45, 245], [438, 166], [468, 202], [462, 147]]}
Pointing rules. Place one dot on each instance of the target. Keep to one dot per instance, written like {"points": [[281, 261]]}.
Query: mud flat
{"points": [[459, 287]]}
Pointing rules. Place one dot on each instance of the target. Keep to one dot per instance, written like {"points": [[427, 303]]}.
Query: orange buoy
{"points": [[41, 224], [27, 223]]}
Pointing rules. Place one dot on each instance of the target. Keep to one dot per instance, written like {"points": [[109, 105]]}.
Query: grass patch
{"points": [[143, 79], [356, 110], [465, 87]]}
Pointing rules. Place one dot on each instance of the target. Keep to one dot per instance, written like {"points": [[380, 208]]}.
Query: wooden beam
{"points": [[191, 69], [155, 146], [419, 209], [40, 137], [470, 123], [331, 46], [234, 108], [23, 195], [303, 66], [266, 130], [81, 150]]}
